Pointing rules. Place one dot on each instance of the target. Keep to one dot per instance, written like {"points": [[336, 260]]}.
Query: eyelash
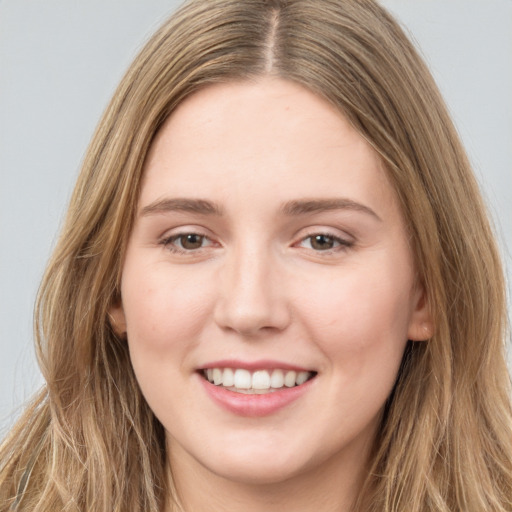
{"points": [[169, 242], [343, 244]]}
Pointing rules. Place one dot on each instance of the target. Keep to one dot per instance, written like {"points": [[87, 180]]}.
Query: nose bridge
{"points": [[251, 295]]}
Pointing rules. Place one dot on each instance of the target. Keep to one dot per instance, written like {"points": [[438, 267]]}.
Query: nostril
{"points": [[251, 319]]}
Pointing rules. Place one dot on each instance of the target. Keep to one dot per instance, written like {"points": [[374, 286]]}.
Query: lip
{"points": [[254, 405]]}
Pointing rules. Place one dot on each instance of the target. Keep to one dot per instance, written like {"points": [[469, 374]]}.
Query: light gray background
{"points": [[60, 61]]}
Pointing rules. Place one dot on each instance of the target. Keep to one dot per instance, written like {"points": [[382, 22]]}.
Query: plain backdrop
{"points": [[60, 61]]}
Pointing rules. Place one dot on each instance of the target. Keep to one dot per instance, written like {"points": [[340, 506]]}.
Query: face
{"points": [[268, 288]]}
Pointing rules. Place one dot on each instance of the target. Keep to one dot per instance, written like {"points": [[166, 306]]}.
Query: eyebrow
{"points": [[291, 208], [200, 206], [300, 207]]}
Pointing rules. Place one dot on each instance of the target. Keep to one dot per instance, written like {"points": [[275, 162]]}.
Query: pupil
{"points": [[191, 241], [322, 242]]}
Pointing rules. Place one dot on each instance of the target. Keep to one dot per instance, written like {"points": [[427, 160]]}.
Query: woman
{"points": [[276, 286]]}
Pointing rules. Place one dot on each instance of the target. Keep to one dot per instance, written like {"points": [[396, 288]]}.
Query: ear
{"points": [[118, 319], [421, 324]]}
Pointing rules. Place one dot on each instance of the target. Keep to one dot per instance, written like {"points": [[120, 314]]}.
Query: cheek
{"points": [[163, 309], [360, 318], [164, 314]]}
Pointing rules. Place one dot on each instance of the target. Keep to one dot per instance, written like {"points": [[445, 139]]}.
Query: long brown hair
{"points": [[89, 441]]}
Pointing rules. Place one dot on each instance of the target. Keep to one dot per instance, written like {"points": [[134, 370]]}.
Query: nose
{"points": [[251, 297]]}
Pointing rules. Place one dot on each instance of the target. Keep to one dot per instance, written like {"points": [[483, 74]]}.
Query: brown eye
{"points": [[322, 242], [190, 241], [186, 243]]}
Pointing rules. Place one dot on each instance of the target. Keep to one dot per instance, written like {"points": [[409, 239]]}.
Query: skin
{"points": [[259, 287]]}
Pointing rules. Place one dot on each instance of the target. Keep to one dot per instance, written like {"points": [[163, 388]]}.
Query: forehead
{"points": [[271, 134]]}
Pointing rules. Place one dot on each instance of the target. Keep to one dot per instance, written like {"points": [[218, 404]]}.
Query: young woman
{"points": [[276, 287]]}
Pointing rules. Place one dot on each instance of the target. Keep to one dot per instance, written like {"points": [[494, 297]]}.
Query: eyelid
{"points": [[167, 240]]}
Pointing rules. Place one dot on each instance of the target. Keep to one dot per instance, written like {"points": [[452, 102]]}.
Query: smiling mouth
{"points": [[255, 382]]}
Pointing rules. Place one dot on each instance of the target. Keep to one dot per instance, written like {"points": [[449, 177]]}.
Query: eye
{"points": [[190, 241], [324, 242], [186, 242]]}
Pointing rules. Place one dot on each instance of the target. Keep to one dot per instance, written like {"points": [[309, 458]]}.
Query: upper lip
{"points": [[262, 364]]}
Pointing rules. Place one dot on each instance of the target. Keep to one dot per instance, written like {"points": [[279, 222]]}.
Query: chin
{"points": [[251, 457], [259, 470]]}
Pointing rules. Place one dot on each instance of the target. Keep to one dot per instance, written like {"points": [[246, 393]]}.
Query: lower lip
{"points": [[255, 405]]}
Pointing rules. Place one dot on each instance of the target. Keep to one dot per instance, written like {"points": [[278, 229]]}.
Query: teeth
{"points": [[242, 379], [289, 379], [228, 377], [301, 378], [259, 381], [217, 376], [277, 379]]}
